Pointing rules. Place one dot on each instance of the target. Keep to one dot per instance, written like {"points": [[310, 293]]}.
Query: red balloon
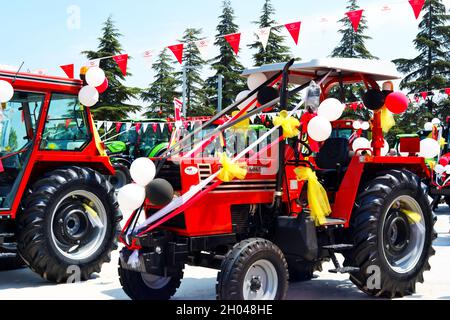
{"points": [[397, 102], [102, 88], [445, 160]]}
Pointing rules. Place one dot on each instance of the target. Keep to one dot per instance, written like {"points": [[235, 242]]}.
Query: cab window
{"points": [[66, 128]]}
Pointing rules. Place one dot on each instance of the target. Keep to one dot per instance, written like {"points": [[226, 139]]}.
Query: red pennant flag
{"points": [[68, 122], [263, 118], [170, 126], [177, 51], [69, 70], [355, 18], [118, 127], [424, 95], [138, 127], [417, 6], [447, 91], [294, 30], [122, 62], [234, 40], [155, 127]]}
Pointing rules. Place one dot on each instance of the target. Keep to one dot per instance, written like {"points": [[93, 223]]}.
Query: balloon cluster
{"points": [[97, 83], [6, 91], [429, 148], [265, 94], [430, 125], [395, 102], [320, 128], [361, 144], [132, 196]]}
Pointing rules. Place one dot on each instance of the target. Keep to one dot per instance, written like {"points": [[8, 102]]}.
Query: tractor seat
{"points": [[333, 160]]}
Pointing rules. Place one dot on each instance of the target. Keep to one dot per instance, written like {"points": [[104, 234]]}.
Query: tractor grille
{"points": [[171, 172]]}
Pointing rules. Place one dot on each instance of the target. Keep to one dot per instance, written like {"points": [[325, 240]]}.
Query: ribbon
{"points": [[317, 196], [231, 170], [387, 120], [245, 124], [289, 124]]}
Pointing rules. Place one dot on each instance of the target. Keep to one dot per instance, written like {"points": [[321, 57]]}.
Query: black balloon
{"points": [[267, 94], [159, 192], [374, 99]]}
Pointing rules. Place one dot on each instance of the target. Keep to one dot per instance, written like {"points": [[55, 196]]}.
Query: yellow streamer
{"points": [[230, 170], [413, 217], [244, 124], [289, 124], [387, 120], [317, 196]]}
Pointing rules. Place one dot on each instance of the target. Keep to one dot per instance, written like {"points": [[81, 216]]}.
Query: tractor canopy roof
{"points": [[350, 69], [40, 83]]}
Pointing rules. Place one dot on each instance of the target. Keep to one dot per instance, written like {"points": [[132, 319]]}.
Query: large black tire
{"points": [[248, 255], [303, 271], [381, 234], [55, 226], [121, 178], [145, 287]]}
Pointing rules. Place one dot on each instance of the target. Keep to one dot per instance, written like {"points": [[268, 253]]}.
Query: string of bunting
{"points": [[234, 40]]}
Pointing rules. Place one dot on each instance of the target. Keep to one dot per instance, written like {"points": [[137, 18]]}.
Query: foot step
{"points": [[334, 222], [345, 270], [339, 247]]}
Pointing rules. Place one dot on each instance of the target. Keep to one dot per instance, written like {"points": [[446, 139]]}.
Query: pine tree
{"points": [[162, 92], [352, 45], [114, 104], [226, 63], [430, 70], [196, 103], [275, 51]]}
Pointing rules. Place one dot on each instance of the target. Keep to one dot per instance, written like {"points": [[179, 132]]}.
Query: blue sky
{"points": [[36, 31]]}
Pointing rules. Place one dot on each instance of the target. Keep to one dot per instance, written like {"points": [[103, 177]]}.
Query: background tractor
{"points": [[263, 231], [57, 210]]}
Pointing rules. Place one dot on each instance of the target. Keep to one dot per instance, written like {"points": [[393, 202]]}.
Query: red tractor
{"points": [[58, 213], [260, 231]]}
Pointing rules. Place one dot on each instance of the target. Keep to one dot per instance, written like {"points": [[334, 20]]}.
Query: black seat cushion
{"points": [[334, 153]]}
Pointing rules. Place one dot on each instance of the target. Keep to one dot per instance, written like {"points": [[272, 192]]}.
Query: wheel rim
{"points": [[261, 281], [76, 231], [155, 282], [403, 239]]}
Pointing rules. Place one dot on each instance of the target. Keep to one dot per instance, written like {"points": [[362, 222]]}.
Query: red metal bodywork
{"points": [[42, 161]]}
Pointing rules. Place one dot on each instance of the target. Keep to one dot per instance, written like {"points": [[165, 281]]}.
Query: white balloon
{"points": [[319, 129], [88, 96], [143, 171], [357, 125], [95, 76], [428, 126], [244, 94], [447, 169], [6, 91], [365, 126], [255, 80], [429, 148], [436, 122], [360, 143], [439, 169], [131, 197], [332, 109]]}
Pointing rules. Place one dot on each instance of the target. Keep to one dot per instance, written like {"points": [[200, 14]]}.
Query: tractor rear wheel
{"points": [[254, 269], [69, 225], [121, 178], [147, 287], [392, 233]]}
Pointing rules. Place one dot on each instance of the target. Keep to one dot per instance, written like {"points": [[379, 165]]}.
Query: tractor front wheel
{"points": [[69, 225], [147, 287], [254, 269], [121, 178], [392, 232]]}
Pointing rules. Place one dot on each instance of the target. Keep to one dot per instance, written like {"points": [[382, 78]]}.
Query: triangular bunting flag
{"points": [[138, 127], [170, 126], [417, 6], [203, 47], [424, 95], [69, 70], [155, 127], [355, 18], [148, 58], [294, 30], [122, 62], [234, 40], [162, 126], [108, 125], [144, 127], [118, 126], [263, 35], [99, 125], [93, 63], [447, 91], [177, 51], [252, 119], [128, 126]]}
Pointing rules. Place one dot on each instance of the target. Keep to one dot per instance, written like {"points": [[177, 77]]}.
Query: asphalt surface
{"points": [[199, 283]]}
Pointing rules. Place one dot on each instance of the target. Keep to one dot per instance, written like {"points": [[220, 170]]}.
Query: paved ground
{"points": [[199, 283]]}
